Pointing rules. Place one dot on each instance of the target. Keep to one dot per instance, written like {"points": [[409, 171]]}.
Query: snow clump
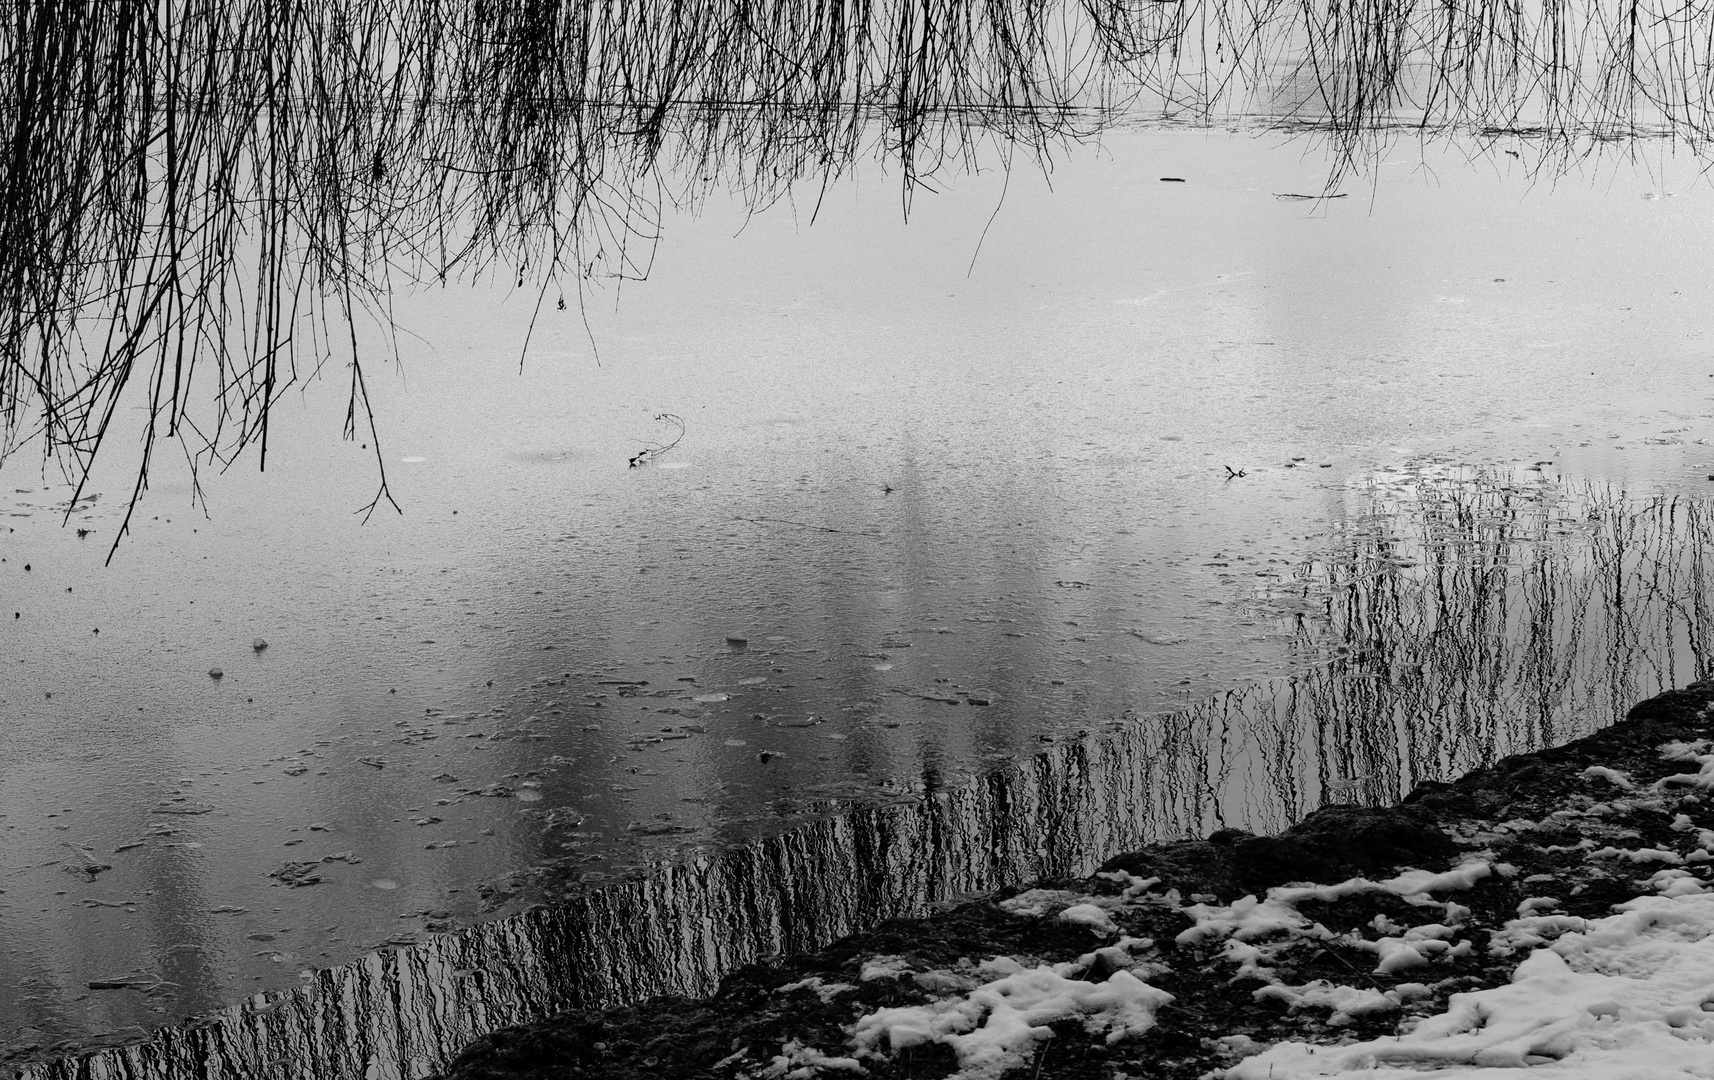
{"points": [[1627, 996]]}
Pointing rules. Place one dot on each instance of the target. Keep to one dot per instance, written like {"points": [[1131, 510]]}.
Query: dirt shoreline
{"points": [[1523, 849]]}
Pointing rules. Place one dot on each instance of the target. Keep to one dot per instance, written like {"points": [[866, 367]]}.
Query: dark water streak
{"points": [[1462, 615]]}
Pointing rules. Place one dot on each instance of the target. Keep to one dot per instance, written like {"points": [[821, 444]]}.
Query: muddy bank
{"points": [[1163, 964]]}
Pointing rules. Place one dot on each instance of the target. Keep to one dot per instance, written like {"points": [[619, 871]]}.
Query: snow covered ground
{"points": [[1548, 917], [1629, 996]]}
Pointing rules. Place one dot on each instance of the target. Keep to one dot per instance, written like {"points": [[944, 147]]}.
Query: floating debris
{"points": [[129, 982], [1156, 639], [298, 874], [183, 806], [658, 828]]}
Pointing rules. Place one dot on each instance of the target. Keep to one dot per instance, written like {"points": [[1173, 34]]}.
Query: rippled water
{"points": [[1464, 614], [958, 513]]}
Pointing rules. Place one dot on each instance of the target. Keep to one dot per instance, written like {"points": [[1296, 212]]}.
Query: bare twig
{"points": [[786, 521]]}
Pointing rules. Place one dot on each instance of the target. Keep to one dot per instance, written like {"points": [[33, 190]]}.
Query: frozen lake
{"points": [[962, 486]]}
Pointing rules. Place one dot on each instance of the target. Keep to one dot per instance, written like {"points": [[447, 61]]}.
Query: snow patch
{"points": [[795, 1061], [884, 967], [1612, 776], [826, 991], [1676, 883], [1092, 916], [996, 1026], [1246, 919], [1531, 931], [1411, 949], [1639, 855], [1037, 902], [1134, 886], [1624, 997], [1345, 1001]]}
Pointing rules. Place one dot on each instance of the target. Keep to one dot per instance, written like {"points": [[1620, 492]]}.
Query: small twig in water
{"points": [[650, 453], [787, 521], [1233, 474], [145, 983]]}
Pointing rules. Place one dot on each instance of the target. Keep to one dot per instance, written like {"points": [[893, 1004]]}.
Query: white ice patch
{"points": [[1701, 780], [1090, 911], [1245, 920], [1037, 902], [1091, 915], [1624, 998], [1612, 776], [1121, 955], [1465, 876], [795, 1061], [826, 991], [1411, 949], [1532, 931], [1639, 855], [1676, 883], [1254, 961], [996, 1026], [1134, 886], [1686, 751], [1249, 918], [884, 967], [1344, 1001]]}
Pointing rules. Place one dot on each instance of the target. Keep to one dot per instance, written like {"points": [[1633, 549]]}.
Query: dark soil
{"points": [[1501, 812]]}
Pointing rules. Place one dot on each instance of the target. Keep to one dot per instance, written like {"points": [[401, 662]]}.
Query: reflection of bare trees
{"points": [[1461, 615], [201, 198], [1469, 615]]}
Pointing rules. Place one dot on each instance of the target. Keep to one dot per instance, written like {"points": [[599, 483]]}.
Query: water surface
{"points": [[964, 496]]}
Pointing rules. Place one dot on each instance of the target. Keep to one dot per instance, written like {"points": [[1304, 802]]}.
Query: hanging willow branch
{"points": [[202, 201]]}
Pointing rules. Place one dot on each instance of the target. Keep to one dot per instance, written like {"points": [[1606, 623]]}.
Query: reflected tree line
{"points": [[1465, 614], [1459, 616], [202, 200]]}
